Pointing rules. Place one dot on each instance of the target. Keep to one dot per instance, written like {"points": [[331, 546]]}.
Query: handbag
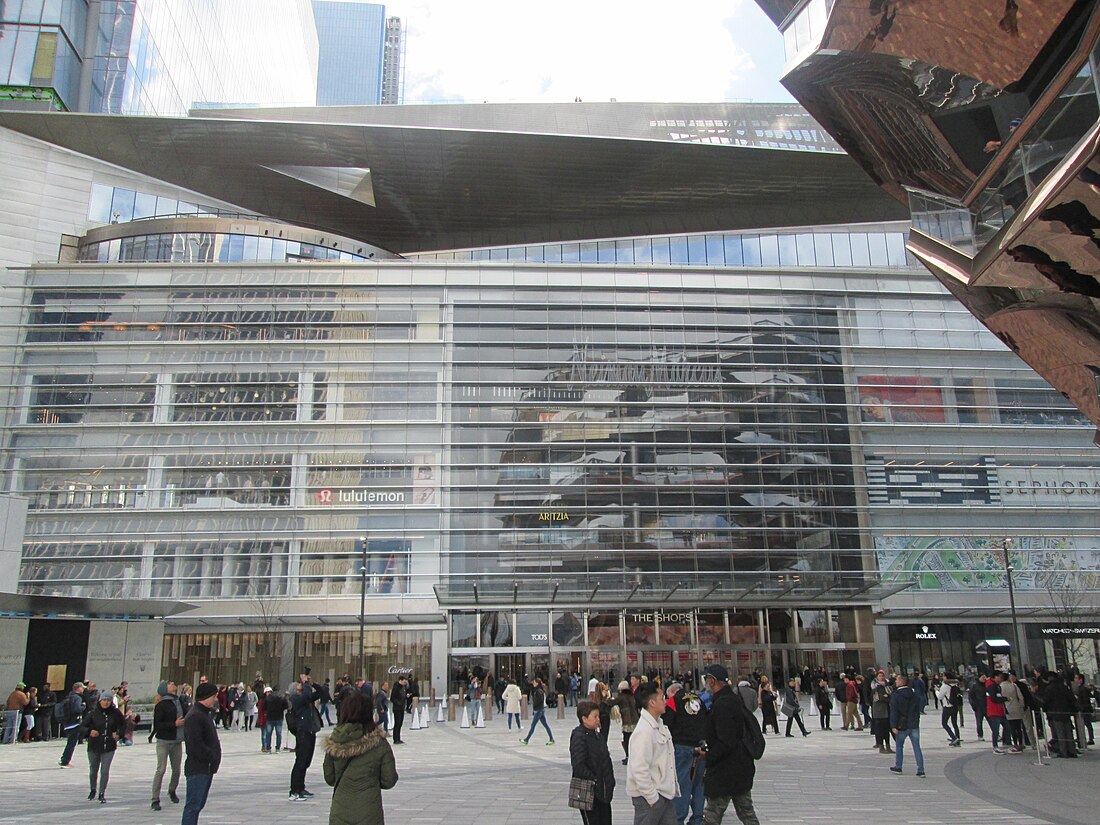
{"points": [[582, 793]]}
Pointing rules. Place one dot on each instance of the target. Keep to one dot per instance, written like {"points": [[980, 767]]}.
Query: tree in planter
{"points": [[268, 609], [1075, 602]]}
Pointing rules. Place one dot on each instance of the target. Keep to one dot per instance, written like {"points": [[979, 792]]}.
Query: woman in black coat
{"points": [[102, 727], [590, 760]]}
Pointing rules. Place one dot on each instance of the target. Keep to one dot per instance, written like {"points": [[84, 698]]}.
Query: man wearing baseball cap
{"points": [[204, 751], [730, 768], [16, 706]]}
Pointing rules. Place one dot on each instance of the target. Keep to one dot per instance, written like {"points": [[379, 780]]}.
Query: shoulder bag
{"points": [[582, 793]]}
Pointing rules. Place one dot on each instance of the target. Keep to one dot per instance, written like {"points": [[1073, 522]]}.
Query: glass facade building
{"points": [[41, 50], [351, 38], [608, 466]]}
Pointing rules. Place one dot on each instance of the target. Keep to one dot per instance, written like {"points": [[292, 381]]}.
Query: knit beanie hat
{"points": [[205, 691], [162, 689]]}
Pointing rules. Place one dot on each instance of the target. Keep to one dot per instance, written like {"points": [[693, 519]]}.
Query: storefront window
{"points": [[846, 625], [813, 626], [640, 629], [531, 629], [496, 629], [779, 625], [463, 630], [744, 628], [710, 628], [568, 629], [864, 625], [603, 629]]}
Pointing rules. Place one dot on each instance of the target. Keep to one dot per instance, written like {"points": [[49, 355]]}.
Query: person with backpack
{"points": [[69, 713], [167, 727], [685, 717], [950, 697], [734, 742], [905, 712], [275, 707], [306, 723]]}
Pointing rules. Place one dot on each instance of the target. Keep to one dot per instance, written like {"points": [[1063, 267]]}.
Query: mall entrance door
{"points": [[511, 665]]}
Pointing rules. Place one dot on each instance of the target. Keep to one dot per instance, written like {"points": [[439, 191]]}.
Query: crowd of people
{"points": [[689, 742]]}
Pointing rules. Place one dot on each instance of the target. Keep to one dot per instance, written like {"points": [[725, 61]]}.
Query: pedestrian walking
{"points": [[538, 711], [358, 764], [70, 713], [949, 696], [628, 715], [766, 700], [381, 706], [204, 752], [324, 696], [168, 729], [306, 724], [591, 762], [905, 712], [792, 708], [651, 767], [824, 703], [512, 698], [102, 727], [730, 766], [398, 698], [685, 717]]}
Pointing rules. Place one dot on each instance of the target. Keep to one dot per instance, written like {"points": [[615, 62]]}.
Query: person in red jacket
{"points": [[995, 709]]}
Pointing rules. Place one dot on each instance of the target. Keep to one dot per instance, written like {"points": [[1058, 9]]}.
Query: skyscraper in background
{"points": [[156, 57], [393, 61], [350, 38]]}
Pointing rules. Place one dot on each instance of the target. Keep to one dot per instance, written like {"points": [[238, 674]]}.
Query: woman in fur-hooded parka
{"points": [[359, 765]]}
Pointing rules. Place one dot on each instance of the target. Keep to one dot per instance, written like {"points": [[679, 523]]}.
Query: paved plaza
{"points": [[449, 774]]}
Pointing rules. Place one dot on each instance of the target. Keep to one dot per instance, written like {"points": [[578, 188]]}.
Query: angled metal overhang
{"points": [[26, 605], [802, 589], [457, 188]]}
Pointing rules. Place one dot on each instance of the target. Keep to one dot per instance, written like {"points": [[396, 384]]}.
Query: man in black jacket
{"points": [[685, 717], [168, 729], [730, 768], [204, 752], [398, 696], [306, 724]]}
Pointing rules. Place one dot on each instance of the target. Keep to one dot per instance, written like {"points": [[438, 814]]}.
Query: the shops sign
{"points": [[925, 635], [661, 616]]}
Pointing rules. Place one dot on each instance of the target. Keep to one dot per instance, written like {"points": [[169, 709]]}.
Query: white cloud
{"points": [[497, 50]]}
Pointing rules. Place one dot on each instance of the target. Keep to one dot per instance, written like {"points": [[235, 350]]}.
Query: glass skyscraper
{"points": [[351, 38]]}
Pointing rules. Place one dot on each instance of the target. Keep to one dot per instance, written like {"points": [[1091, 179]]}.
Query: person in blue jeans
{"points": [[905, 711], [538, 711], [204, 752], [72, 711], [685, 717]]}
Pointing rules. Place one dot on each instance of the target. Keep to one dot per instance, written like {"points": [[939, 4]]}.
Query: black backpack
{"points": [[753, 737], [956, 697], [291, 722]]}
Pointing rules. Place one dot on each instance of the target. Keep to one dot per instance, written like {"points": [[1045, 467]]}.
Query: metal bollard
{"points": [[524, 713], [561, 706], [450, 708], [487, 706]]}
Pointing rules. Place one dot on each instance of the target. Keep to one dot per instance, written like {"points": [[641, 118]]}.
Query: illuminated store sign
{"points": [[661, 616], [925, 635], [358, 495]]}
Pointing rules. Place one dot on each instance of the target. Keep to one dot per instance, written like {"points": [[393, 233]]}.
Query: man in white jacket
{"points": [[651, 769]]}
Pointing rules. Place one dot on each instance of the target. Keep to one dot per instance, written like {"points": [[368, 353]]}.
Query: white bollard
{"points": [[465, 718], [439, 716]]}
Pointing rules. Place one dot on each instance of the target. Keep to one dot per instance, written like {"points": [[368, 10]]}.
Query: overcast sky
{"points": [[631, 50]]}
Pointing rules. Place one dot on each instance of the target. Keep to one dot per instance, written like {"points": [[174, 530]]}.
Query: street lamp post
{"points": [[1005, 545], [362, 608]]}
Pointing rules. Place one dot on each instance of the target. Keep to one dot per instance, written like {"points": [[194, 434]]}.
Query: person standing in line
{"points": [[949, 695], [881, 691], [204, 752], [538, 711], [905, 712], [72, 711], [512, 698], [792, 708], [13, 713], [102, 727], [824, 703], [766, 699], [651, 767], [1014, 712], [249, 705], [995, 712], [628, 715], [1060, 705], [168, 730], [730, 767], [685, 717], [978, 704], [590, 760], [306, 724], [398, 697], [358, 764]]}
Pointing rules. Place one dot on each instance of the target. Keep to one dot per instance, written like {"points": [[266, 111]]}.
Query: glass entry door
{"points": [[509, 665]]}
